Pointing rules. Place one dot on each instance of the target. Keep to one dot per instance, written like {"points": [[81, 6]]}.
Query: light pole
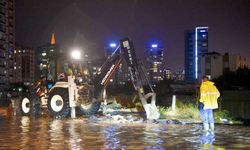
{"points": [[76, 56]]}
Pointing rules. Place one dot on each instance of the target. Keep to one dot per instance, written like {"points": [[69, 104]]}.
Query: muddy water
{"points": [[46, 133]]}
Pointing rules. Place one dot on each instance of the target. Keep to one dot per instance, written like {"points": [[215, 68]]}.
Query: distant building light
{"points": [[112, 45], [154, 45], [44, 54]]}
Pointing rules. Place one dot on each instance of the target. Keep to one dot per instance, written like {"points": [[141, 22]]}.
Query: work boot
{"points": [[205, 127], [212, 128]]}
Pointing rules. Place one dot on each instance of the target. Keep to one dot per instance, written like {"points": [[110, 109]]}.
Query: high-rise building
{"points": [[196, 44], [155, 63], [7, 42], [47, 60], [24, 65]]}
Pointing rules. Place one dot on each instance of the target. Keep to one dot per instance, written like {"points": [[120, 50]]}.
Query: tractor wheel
{"points": [[89, 108], [29, 105], [58, 103]]}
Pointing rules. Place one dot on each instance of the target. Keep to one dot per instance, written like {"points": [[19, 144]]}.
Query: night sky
{"points": [[92, 24]]}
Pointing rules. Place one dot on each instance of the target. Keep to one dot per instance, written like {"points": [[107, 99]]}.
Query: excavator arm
{"points": [[126, 51]]}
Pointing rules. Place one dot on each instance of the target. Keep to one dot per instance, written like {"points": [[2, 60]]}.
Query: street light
{"points": [[76, 54]]}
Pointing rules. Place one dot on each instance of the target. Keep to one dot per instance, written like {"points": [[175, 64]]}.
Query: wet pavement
{"points": [[53, 134]]}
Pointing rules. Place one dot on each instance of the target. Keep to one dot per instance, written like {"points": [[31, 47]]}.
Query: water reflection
{"points": [[112, 139], [207, 138], [46, 133], [152, 137], [25, 128], [56, 134], [74, 136]]}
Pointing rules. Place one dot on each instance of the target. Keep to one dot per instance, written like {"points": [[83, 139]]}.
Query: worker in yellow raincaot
{"points": [[208, 99]]}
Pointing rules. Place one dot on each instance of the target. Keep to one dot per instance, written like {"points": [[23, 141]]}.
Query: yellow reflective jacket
{"points": [[209, 95]]}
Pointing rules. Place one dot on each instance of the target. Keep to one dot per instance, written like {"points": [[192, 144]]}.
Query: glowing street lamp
{"points": [[76, 54]]}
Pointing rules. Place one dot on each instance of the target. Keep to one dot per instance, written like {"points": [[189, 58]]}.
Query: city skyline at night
{"points": [[94, 24]]}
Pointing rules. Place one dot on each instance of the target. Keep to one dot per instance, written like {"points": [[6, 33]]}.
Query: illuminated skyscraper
{"points": [[196, 44], [155, 60]]}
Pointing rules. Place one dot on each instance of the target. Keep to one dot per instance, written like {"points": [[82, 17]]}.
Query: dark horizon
{"points": [[93, 24]]}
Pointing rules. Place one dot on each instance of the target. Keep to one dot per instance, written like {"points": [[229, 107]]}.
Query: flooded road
{"points": [[76, 134]]}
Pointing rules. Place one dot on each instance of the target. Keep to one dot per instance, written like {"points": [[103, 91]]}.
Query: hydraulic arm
{"points": [[126, 52]]}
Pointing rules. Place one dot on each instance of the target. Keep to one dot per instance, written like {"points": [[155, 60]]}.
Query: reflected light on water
{"points": [[75, 139], [112, 140], [25, 126], [48, 134], [152, 137], [56, 134]]}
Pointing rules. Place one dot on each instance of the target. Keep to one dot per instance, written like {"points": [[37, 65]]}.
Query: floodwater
{"points": [[76, 134]]}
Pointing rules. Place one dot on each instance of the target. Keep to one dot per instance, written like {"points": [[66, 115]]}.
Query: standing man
{"points": [[208, 98]]}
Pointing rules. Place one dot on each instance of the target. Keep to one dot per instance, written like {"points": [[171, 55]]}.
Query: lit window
{"points": [[202, 30], [44, 54]]}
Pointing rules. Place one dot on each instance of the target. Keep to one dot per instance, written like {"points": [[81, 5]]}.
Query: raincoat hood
{"points": [[209, 83]]}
